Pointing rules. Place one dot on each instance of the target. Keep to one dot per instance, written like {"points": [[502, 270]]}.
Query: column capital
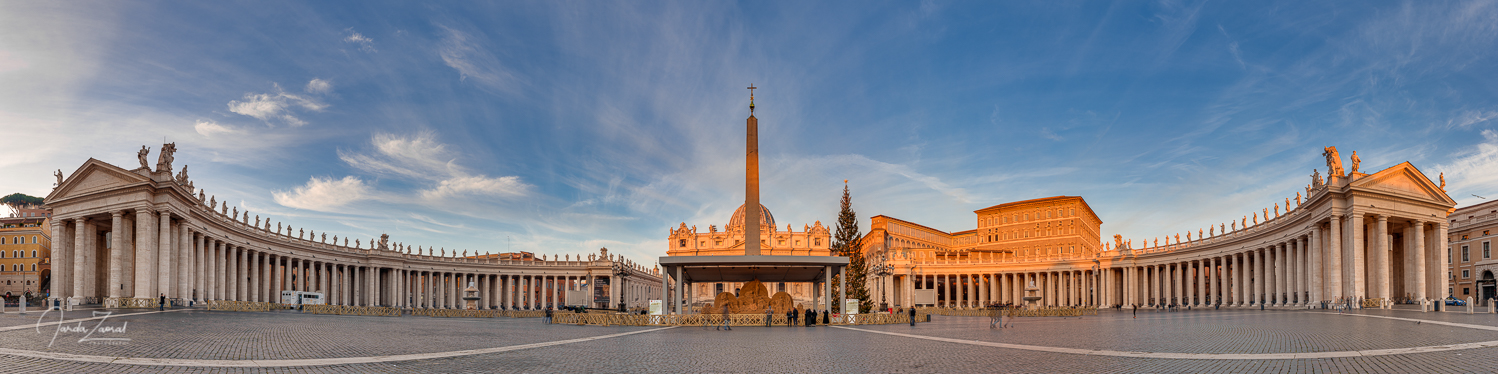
{"points": [[117, 213]]}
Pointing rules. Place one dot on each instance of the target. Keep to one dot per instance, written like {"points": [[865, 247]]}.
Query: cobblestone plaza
{"points": [[1370, 340]]}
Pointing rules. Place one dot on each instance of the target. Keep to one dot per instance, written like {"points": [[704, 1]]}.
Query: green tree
{"points": [[18, 200], [848, 242]]}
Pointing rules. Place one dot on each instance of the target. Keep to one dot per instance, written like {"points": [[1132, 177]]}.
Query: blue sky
{"points": [[562, 127]]}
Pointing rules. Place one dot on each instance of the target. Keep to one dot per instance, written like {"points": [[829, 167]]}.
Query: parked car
{"points": [[1452, 301]]}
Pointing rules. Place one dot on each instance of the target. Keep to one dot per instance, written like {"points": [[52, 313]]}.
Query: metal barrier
{"points": [[455, 313], [351, 310], [1014, 312], [711, 320], [239, 306], [129, 302]]}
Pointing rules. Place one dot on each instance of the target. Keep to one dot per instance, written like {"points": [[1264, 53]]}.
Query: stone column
{"points": [[1421, 253], [164, 255], [184, 262], [1240, 292], [1385, 270], [145, 250], [80, 252], [200, 274], [1359, 257], [1316, 269], [1279, 273], [1334, 253], [1440, 241], [1294, 265], [116, 251]]}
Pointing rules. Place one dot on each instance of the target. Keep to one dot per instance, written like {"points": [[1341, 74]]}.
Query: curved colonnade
{"points": [[124, 237], [1356, 238]]}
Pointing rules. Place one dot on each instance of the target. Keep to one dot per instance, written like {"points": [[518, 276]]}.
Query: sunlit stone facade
{"points": [[812, 240], [1367, 239]]}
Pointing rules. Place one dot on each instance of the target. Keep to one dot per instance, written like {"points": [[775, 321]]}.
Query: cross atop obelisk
{"points": [[751, 182]]}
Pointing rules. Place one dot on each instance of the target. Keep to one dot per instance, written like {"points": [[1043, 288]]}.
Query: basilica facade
{"points": [[812, 240]]}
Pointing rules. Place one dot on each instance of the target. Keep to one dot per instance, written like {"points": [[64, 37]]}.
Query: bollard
{"points": [[1469, 305], [23, 305], [1490, 306]]}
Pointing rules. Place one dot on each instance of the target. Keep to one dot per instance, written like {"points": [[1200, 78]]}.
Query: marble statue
{"points": [[1199, 234], [1287, 205], [144, 151], [182, 175], [164, 160], [1157, 242], [1297, 199], [225, 209], [1212, 230], [1235, 225], [1245, 222], [213, 202], [1333, 161], [1276, 211], [58, 174], [200, 195], [236, 213], [1443, 181], [356, 243], [257, 220], [384, 242], [1224, 228], [1256, 218], [300, 233], [1355, 161], [1118, 239], [1178, 237], [1266, 214], [1188, 237], [324, 237], [278, 227]]}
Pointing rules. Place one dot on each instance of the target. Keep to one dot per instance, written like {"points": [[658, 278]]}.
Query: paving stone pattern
{"points": [[289, 335]]}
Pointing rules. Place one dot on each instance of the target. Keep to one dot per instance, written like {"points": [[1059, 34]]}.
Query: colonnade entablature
{"points": [[142, 234]]}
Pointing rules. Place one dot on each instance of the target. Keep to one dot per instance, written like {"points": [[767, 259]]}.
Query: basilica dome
{"points": [[765, 218]]}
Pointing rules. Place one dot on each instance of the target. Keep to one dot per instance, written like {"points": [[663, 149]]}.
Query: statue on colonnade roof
{"points": [[384, 241], [1355, 161], [144, 151], [164, 159], [1333, 161], [58, 174]]}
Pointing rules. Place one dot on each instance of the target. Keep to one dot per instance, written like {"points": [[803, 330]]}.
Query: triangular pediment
{"points": [[1405, 179], [94, 175]]}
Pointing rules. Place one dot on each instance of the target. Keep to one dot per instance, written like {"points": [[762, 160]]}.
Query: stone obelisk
{"points": [[751, 182]]}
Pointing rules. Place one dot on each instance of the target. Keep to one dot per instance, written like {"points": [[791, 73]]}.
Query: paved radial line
{"points": [[1222, 356], [301, 362]]}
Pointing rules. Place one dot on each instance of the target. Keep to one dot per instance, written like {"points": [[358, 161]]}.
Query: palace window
{"points": [[33, 267], [1464, 254], [1466, 290], [817, 242], [1466, 274], [718, 243], [1486, 250], [33, 239]]}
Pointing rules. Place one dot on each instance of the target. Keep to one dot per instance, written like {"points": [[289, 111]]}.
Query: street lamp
{"points": [[620, 271]]}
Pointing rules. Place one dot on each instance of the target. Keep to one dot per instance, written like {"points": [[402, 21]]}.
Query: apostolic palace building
{"points": [[124, 237], [1371, 239]]}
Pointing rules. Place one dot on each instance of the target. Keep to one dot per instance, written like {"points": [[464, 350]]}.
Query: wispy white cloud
{"points": [[460, 186], [277, 105], [324, 194], [211, 129], [365, 43], [319, 86], [421, 157], [460, 52], [1473, 170]]}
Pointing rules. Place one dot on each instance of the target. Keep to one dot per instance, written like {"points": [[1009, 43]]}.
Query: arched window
{"points": [[33, 239], [682, 243], [33, 267], [33, 253]]}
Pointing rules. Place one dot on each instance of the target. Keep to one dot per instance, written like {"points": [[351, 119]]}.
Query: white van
{"points": [[301, 298]]}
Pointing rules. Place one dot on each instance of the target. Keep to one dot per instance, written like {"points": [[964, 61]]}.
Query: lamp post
{"points": [[882, 269], [620, 271]]}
